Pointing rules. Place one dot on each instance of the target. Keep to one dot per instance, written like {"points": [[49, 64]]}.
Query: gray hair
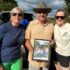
{"points": [[17, 8], [62, 11]]}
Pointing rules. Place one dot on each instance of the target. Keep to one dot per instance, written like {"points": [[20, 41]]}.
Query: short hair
{"points": [[61, 10]]}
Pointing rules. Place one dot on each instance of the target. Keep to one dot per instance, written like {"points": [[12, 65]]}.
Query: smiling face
{"points": [[16, 16], [60, 18], [41, 15]]}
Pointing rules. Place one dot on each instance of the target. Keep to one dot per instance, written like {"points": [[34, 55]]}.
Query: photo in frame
{"points": [[41, 50]]}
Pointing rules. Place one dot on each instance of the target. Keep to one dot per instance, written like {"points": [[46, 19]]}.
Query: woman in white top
{"points": [[62, 40]]}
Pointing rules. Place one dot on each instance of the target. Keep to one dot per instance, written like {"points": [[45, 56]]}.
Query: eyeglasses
{"points": [[41, 11], [15, 14], [61, 17]]}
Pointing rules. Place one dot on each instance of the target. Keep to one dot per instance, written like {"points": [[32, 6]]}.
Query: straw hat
{"points": [[42, 6]]}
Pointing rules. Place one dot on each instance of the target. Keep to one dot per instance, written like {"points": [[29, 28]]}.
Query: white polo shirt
{"points": [[62, 39]]}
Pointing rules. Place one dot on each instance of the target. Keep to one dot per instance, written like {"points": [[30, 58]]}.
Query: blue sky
{"points": [[29, 4]]}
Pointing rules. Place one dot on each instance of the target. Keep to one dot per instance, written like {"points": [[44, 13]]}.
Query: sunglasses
{"points": [[41, 11], [61, 17], [15, 14]]}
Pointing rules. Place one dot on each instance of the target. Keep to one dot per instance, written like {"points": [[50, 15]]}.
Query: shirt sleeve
{"points": [[28, 32], [52, 28]]}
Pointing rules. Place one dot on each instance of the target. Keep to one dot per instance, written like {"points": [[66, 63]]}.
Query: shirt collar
{"points": [[37, 22]]}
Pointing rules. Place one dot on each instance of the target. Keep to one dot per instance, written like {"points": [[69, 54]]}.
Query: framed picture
{"points": [[41, 50]]}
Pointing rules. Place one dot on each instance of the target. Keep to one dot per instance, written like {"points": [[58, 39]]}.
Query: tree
{"points": [[6, 5], [67, 6]]}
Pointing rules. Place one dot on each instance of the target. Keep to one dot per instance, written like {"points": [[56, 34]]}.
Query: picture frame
{"points": [[41, 50]]}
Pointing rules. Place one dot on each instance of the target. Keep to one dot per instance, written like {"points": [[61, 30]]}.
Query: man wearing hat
{"points": [[38, 29]]}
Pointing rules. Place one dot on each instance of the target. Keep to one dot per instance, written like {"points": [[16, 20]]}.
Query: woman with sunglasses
{"points": [[62, 40], [11, 39]]}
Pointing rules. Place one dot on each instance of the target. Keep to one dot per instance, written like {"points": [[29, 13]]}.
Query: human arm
{"points": [[28, 37], [28, 45], [52, 42]]}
